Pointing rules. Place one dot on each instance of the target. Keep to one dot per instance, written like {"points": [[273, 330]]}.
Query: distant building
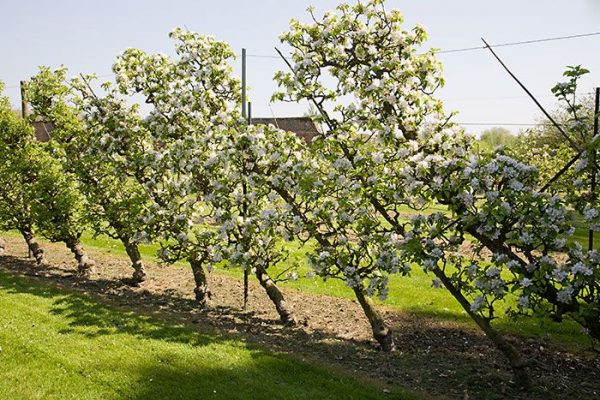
{"points": [[303, 127], [43, 130]]}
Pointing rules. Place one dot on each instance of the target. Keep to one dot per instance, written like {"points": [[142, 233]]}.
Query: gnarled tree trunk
{"points": [[34, 247], [85, 265], [139, 272], [516, 361], [285, 313], [201, 290], [381, 332]]}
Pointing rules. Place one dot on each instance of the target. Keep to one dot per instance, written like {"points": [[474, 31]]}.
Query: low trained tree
{"points": [[19, 170], [166, 151], [522, 230], [195, 125], [400, 150], [58, 208], [115, 203], [323, 206], [372, 85], [248, 219]]}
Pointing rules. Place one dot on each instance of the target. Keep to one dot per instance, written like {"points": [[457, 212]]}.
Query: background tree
{"points": [[495, 137], [545, 146]]}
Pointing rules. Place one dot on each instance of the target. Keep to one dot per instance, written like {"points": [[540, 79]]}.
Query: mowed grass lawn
{"points": [[61, 345]]}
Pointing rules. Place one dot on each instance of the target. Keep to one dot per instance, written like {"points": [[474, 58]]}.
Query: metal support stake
{"points": [[593, 163], [244, 188], [245, 211]]}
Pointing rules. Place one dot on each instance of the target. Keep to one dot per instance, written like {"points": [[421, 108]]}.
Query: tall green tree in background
{"points": [[544, 146], [495, 137]]}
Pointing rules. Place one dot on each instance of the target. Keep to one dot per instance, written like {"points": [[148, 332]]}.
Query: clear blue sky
{"points": [[86, 36]]}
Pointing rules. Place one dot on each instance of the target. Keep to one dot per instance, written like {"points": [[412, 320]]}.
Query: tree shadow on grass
{"points": [[226, 369], [442, 360], [265, 377]]}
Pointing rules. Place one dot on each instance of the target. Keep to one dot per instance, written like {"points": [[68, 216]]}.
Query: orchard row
{"points": [[191, 174]]}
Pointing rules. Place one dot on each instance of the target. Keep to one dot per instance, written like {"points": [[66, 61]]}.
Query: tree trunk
{"points": [[591, 321], [381, 332], [85, 265], [139, 272], [33, 246], [2, 246], [285, 314], [201, 290], [246, 272], [516, 361]]}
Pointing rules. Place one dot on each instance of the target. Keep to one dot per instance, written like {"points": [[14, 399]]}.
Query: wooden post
{"points": [[24, 106], [25, 113], [244, 83], [593, 162]]}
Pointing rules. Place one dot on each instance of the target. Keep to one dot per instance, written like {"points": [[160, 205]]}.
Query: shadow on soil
{"points": [[451, 362]]}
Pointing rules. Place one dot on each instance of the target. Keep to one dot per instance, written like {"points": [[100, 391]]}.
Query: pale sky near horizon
{"points": [[86, 36]]}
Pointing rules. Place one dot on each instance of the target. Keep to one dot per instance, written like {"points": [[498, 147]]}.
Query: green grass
{"points": [[61, 345]]}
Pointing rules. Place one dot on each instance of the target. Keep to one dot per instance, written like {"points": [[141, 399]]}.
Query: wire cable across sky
{"points": [[463, 49], [450, 51], [551, 39]]}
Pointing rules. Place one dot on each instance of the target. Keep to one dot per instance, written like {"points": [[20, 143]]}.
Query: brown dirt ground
{"points": [[438, 358]]}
